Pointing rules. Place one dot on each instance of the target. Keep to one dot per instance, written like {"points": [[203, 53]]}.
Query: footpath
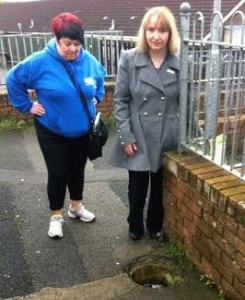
{"points": [[91, 261]]}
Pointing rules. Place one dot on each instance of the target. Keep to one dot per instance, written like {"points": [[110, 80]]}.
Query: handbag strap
{"points": [[81, 95]]}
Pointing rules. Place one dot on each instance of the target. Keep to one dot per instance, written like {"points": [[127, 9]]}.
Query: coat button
{"points": [[145, 113], [162, 97], [118, 130], [120, 137], [159, 114], [122, 143], [145, 99]]}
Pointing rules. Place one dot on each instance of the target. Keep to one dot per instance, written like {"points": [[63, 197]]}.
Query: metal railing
{"points": [[212, 90], [104, 45]]}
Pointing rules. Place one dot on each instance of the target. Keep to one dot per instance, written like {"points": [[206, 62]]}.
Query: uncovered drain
{"points": [[152, 275]]}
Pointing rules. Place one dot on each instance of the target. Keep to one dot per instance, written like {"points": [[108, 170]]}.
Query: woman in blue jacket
{"points": [[60, 119]]}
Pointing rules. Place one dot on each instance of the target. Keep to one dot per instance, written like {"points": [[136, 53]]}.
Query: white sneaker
{"points": [[55, 226], [81, 213]]}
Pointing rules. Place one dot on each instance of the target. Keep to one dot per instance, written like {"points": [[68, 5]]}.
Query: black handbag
{"points": [[99, 133], [97, 138]]}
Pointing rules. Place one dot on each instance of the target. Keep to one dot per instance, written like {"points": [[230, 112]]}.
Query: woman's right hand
{"points": [[130, 149], [37, 109]]}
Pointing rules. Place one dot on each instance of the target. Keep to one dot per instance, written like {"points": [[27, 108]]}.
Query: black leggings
{"points": [[137, 193], [65, 160]]}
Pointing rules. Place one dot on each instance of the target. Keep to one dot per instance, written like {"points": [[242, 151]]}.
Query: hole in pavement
{"points": [[152, 275]]}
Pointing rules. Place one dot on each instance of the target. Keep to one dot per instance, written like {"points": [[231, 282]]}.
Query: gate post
{"points": [[185, 13]]}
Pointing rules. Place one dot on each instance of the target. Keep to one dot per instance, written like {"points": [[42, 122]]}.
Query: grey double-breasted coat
{"points": [[146, 110]]}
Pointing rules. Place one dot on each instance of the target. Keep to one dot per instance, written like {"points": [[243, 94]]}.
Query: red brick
{"points": [[234, 267], [171, 217], [217, 226], [201, 246], [185, 188], [240, 288], [241, 246], [193, 205], [169, 200], [206, 266], [105, 106], [216, 276], [241, 233], [206, 205], [240, 214], [231, 237], [230, 291], [224, 219], [216, 251], [171, 188], [168, 176], [206, 229], [192, 253], [184, 211], [191, 228], [225, 245], [240, 260], [223, 270]]}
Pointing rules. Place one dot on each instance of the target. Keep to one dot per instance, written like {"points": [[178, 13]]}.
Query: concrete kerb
{"points": [[103, 289]]}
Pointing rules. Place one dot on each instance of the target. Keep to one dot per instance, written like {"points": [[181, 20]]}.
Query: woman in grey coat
{"points": [[146, 109]]}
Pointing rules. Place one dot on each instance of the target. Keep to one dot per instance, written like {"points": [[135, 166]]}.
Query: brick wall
{"points": [[8, 112], [205, 216]]}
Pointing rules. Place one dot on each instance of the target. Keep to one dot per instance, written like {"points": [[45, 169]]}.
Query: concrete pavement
{"points": [[91, 260]]}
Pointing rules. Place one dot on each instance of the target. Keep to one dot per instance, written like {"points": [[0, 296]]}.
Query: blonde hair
{"points": [[167, 20]]}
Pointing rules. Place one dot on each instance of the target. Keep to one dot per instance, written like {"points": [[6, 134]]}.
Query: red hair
{"points": [[68, 25], [61, 21]]}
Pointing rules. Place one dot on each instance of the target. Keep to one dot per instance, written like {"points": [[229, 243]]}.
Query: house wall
{"points": [[205, 216], [205, 210]]}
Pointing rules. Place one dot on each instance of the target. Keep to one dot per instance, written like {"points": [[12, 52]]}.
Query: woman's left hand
{"points": [[37, 109], [95, 101], [130, 149]]}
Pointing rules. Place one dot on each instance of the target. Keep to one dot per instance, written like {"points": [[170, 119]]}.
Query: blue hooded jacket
{"points": [[45, 72]]}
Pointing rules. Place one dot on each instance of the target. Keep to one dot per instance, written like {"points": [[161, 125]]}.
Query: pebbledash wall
{"points": [[204, 210]]}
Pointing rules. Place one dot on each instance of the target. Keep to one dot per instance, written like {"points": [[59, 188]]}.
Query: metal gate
{"points": [[212, 88]]}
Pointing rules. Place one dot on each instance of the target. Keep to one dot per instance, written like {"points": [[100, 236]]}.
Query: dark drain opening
{"points": [[152, 275]]}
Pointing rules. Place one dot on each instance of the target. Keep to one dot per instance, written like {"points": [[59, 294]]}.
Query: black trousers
{"points": [[65, 160], [139, 182]]}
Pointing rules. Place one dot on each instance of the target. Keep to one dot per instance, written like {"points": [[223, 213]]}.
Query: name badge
{"points": [[170, 71]]}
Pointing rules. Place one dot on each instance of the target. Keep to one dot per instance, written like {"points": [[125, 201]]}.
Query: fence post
{"points": [[185, 13], [213, 85]]}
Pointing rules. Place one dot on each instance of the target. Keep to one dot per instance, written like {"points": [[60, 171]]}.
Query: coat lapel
{"points": [[147, 71]]}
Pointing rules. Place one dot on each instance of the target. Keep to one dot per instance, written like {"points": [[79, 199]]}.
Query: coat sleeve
{"points": [[17, 82], [122, 98], [100, 91]]}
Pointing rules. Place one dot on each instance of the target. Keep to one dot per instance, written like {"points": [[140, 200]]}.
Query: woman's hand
{"points": [[130, 149], [95, 101], [37, 109]]}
